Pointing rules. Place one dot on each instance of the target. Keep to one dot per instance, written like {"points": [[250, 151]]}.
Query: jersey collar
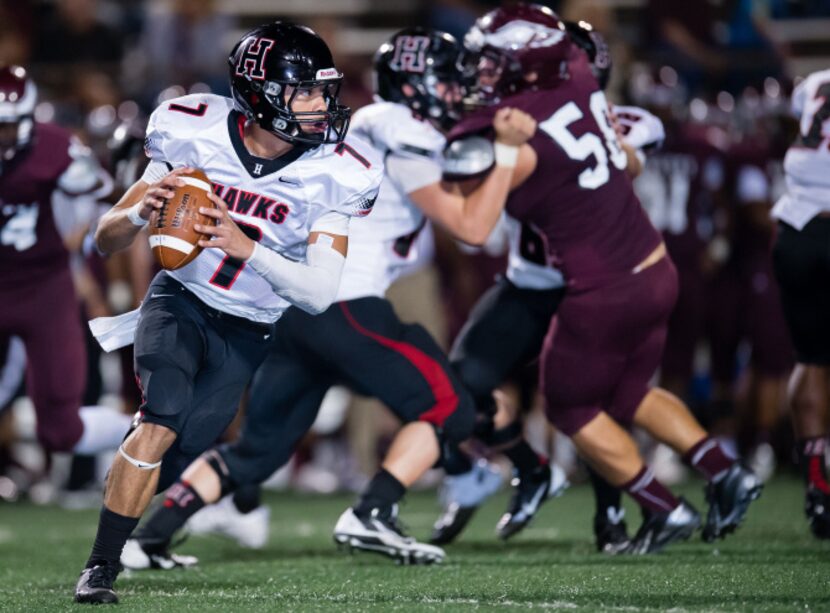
{"points": [[256, 166]]}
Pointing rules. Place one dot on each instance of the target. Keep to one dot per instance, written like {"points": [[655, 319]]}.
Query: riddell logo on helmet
{"points": [[252, 60], [327, 73]]}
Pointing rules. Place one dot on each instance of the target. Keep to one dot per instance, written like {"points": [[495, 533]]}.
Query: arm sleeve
{"points": [[311, 285]]}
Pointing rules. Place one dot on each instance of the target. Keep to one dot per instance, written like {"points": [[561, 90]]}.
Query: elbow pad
{"points": [[311, 286]]}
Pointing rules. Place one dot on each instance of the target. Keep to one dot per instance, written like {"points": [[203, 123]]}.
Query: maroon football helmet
{"points": [[18, 96], [515, 48]]}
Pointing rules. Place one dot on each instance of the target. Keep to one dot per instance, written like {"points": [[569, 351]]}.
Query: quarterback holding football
{"points": [[284, 184]]}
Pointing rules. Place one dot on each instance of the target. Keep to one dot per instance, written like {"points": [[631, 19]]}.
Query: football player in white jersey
{"points": [[505, 331], [359, 341], [285, 185], [802, 267]]}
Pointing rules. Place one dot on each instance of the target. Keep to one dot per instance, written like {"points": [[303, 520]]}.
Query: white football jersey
{"points": [[389, 242], [275, 201], [807, 163], [526, 266]]}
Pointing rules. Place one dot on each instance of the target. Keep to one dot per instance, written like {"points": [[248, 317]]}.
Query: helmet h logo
{"points": [[410, 54], [252, 59]]}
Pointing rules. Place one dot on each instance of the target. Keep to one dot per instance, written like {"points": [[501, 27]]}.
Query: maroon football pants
{"points": [[604, 345], [46, 317]]}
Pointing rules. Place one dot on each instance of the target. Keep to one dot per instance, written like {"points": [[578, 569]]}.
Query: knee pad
{"points": [[167, 391], [220, 467]]}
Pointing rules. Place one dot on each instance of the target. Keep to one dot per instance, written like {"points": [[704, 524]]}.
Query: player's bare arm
{"points": [[471, 218], [120, 225]]}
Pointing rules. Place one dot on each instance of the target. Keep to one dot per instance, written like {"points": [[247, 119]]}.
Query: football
{"points": [[173, 239]]}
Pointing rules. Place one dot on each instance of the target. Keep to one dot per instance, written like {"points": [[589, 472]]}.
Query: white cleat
{"points": [[136, 557], [380, 533], [249, 530]]}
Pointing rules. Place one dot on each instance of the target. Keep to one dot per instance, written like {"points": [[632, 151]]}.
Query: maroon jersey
{"points": [[579, 197], [30, 244], [680, 187]]}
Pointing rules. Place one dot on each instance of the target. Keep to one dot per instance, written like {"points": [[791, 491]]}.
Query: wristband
{"points": [[506, 155], [134, 217]]}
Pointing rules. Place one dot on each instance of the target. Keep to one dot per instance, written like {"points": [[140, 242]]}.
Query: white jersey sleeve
{"points": [[807, 163]]}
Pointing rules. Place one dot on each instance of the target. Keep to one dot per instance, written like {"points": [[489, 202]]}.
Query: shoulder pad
{"points": [[392, 128], [182, 120], [344, 177], [468, 157]]}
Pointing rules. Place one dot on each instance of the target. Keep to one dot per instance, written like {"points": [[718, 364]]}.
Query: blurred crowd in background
{"points": [[717, 72]]}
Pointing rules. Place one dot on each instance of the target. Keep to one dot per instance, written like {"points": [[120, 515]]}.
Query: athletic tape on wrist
{"points": [[138, 463], [506, 155], [134, 217]]}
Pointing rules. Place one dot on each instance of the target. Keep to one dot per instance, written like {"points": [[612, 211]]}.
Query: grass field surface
{"points": [[771, 564]]}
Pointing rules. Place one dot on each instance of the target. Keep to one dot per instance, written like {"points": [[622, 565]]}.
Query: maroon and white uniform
{"points": [[680, 188], [606, 340], [37, 296]]}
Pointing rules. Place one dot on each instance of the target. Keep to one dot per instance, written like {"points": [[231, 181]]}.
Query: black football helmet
{"points": [[593, 44], [270, 59], [18, 97], [421, 58]]}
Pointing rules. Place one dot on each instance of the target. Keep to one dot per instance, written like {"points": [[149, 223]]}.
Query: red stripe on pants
{"points": [[446, 400]]}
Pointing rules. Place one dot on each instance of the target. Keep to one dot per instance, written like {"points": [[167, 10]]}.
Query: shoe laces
{"points": [[103, 575]]}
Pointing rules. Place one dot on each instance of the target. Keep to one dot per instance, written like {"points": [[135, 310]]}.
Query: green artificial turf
{"points": [[771, 564]]}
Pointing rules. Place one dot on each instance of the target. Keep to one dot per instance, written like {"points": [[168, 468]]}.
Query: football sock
{"points": [[113, 532], [606, 496], [383, 491], [709, 459], [524, 458], [180, 503], [455, 461], [649, 493], [811, 461], [104, 429], [247, 498]]}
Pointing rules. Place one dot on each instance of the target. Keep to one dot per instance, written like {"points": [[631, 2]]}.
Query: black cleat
{"points": [[661, 529], [611, 532], [530, 492], [95, 584], [461, 496], [380, 532], [817, 508], [729, 500], [451, 523]]}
